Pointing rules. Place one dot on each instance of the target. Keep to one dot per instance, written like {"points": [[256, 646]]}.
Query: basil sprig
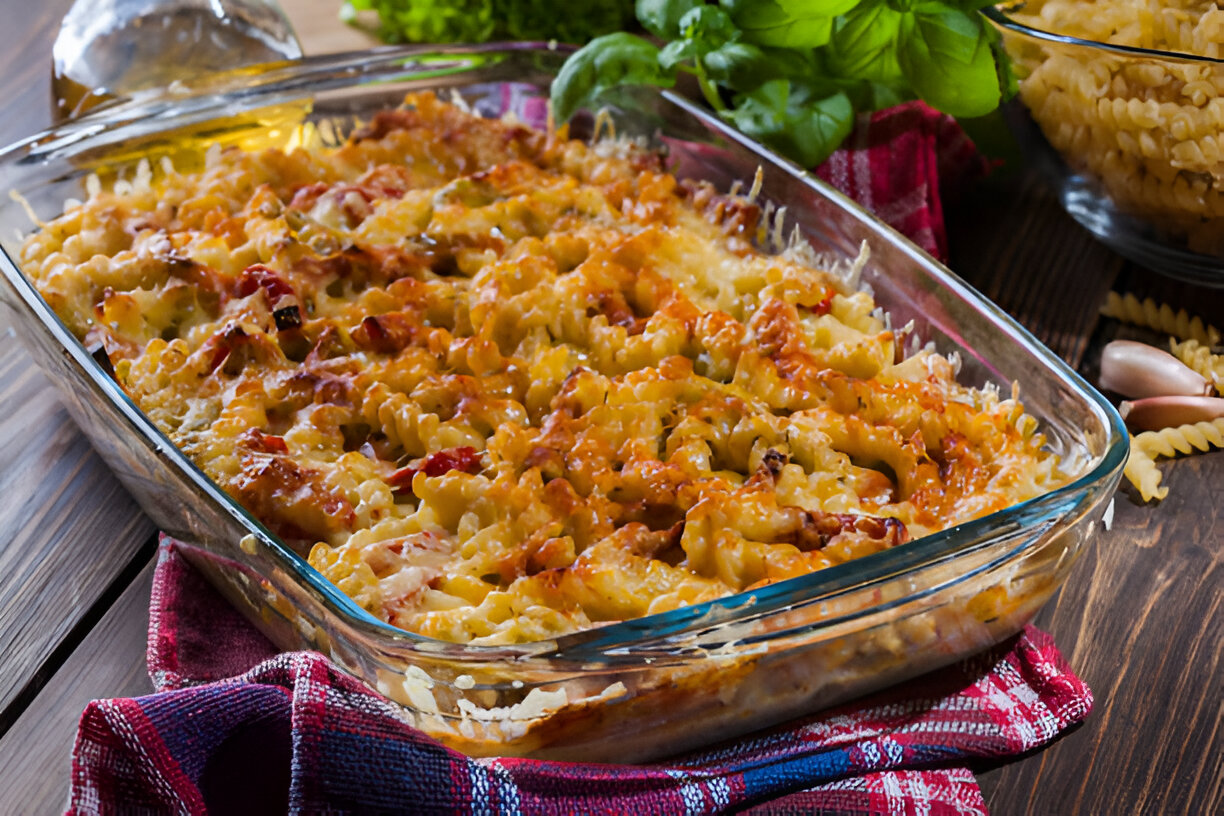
{"points": [[793, 73]]}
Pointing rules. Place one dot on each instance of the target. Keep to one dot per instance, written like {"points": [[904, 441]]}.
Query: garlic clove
{"points": [[1154, 413], [1138, 370]]}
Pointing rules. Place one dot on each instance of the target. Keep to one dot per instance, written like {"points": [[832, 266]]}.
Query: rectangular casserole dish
{"points": [[628, 691]]}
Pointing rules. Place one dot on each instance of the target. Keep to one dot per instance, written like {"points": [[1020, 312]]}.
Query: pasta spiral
{"points": [[1147, 128], [1199, 357], [1160, 316], [1141, 468]]}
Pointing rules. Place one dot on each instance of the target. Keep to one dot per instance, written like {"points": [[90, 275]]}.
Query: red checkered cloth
{"points": [[295, 733], [894, 162], [236, 727]]}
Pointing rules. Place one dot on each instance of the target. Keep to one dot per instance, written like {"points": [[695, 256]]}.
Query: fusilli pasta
{"points": [[1199, 357], [1148, 128], [1147, 313], [1141, 468]]}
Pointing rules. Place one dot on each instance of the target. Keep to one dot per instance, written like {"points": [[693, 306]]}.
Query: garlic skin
{"points": [[1137, 370], [1154, 413]]}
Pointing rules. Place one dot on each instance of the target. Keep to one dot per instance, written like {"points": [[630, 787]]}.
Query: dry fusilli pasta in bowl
{"points": [[1125, 104]]}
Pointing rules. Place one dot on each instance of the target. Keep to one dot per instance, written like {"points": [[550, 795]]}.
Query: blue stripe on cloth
{"points": [[363, 773], [791, 774], [196, 722]]}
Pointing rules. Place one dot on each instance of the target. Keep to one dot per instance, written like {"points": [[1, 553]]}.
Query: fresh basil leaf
{"points": [[709, 24], [864, 43], [744, 67], [948, 31], [829, 8], [794, 120], [701, 30], [676, 52], [881, 95], [603, 63], [786, 23], [868, 95], [943, 70], [662, 17], [1003, 67]]}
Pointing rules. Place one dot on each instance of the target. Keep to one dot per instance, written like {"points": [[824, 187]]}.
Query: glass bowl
{"points": [[1130, 138], [643, 688]]}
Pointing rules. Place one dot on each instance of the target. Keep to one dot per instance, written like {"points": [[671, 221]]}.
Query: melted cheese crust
{"points": [[511, 386]]}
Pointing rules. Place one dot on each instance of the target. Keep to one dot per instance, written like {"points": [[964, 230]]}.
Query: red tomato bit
{"points": [[464, 459]]}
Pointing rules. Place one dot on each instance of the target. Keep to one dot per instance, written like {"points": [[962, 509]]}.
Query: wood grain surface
{"points": [[1139, 617], [35, 754], [69, 533], [69, 529]]}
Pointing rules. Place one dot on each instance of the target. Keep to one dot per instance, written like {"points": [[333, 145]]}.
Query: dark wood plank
{"points": [[1139, 617], [1139, 620], [1010, 239], [25, 66], [35, 753], [68, 528]]}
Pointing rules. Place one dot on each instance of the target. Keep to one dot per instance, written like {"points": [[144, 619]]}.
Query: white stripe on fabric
{"points": [[720, 792], [893, 750], [892, 789], [507, 791], [479, 777], [905, 206], [118, 720], [838, 167], [915, 787], [690, 793], [871, 753]]}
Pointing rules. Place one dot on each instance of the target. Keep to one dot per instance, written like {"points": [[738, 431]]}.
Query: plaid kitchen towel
{"points": [[295, 733], [894, 163]]}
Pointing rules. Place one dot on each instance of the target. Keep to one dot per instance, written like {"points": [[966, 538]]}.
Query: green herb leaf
{"points": [[442, 21], [709, 24], [555, 20], [744, 67], [947, 57], [863, 44], [792, 73], [662, 17], [676, 52], [701, 30], [1003, 67], [602, 64], [787, 23], [795, 119]]}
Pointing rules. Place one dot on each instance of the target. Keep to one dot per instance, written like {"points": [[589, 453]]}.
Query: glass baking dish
{"points": [[628, 691]]}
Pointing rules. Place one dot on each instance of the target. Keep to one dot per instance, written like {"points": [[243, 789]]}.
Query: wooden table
{"points": [[1139, 618]]}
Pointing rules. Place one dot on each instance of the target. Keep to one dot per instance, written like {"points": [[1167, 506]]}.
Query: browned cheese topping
{"points": [[504, 385]]}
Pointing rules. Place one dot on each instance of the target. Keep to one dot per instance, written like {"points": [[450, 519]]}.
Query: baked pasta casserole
{"points": [[503, 385]]}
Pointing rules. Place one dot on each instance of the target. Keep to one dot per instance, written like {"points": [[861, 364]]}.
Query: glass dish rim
{"points": [[623, 639], [999, 15]]}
